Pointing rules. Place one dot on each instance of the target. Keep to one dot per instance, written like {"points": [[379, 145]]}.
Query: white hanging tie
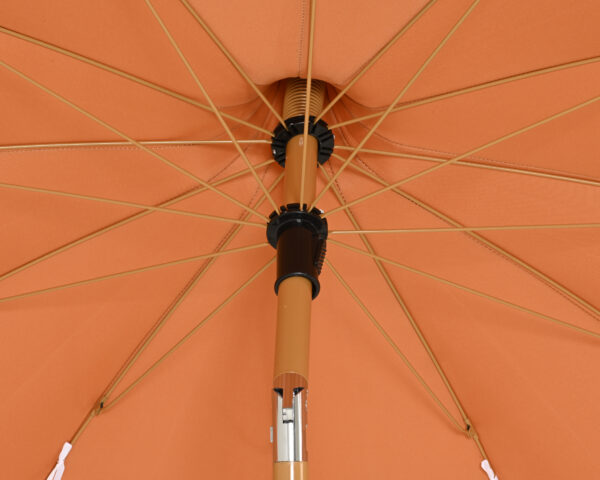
{"points": [[485, 465], [58, 471]]}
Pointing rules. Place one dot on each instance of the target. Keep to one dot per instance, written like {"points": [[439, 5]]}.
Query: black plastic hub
{"points": [[300, 238], [295, 126]]}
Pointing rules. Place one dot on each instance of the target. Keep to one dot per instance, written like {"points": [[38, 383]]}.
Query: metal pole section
{"points": [[290, 379]]}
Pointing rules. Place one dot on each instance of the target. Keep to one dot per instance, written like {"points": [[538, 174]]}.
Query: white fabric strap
{"points": [[485, 465], [58, 471]]}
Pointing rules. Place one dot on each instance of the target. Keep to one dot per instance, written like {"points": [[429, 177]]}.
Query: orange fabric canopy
{"points": [[529, 386]]}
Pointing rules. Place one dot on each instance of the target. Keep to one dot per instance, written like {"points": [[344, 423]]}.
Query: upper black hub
{"points": [[295, 126]]}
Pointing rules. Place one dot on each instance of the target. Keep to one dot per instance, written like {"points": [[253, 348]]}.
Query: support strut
{"points": [[299, 236]]}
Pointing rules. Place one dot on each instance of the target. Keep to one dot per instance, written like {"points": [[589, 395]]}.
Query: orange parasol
{"points": [[427, 173]]}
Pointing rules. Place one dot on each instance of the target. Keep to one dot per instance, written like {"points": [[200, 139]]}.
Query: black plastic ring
{"points": [[295, 126]]}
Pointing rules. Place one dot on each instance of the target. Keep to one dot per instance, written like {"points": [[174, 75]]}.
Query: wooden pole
{"points": [[295, 294]]}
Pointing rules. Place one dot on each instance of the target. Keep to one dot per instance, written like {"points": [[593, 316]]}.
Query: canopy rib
{"points": [[128, 76], [158, 143], [468, 290], [583, 304], [166, 161], [397, 99], [126, 273], [185, 338], [151, 334], [120, 223], [472, 88], [311, 40], [496, 228], [212, 105], [233, 61], [498, 140], [396, 349], [83, 426], [124, 203], [402, 303], [175, 305], [377, 56], [474, 164]]}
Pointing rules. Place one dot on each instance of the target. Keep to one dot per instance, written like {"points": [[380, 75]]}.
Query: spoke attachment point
{"points": [[295, 126]]}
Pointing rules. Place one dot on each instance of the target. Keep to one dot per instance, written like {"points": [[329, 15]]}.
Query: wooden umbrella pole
{"points": [[295, 294]]}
